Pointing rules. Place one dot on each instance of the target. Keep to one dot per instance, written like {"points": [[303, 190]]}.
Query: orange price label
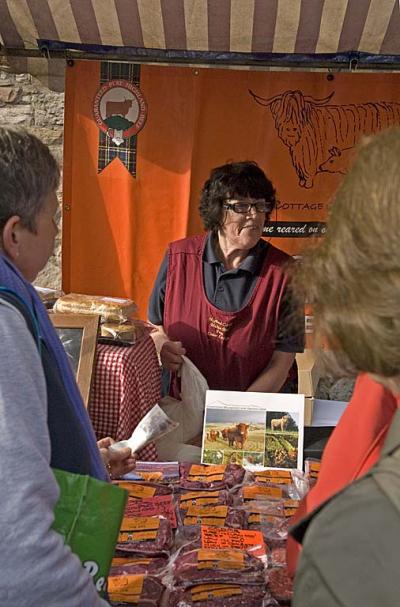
{"points": [[136, 536], [206, 520], [140, 523], [122, 588], [274, 473], [194, 495], [151, 476], [239, 539], [234, 556], [138, 491], [199, 470], [217, 511], [250, 493], [206, 592]]}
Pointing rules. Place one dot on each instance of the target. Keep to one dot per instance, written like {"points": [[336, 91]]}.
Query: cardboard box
{"points": [[309, 372]]}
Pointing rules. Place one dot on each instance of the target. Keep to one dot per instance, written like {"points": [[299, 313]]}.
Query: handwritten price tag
{"points": [[214, 538], [160, 505]]}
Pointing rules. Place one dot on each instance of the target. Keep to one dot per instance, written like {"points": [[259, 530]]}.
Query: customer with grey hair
{"points": [[351, 541], [43, 421]]}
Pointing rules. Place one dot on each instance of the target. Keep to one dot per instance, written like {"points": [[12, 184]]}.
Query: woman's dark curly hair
{"points": [[234, 180]]}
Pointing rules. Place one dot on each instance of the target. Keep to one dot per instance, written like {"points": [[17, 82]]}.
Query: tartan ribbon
{"points": [[108, 150]]}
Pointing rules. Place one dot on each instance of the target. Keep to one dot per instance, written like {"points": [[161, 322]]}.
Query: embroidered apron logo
{"points": [[218, 328]]}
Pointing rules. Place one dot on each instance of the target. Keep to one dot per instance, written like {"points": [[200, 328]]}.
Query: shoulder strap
{"points": [[15, 300]]}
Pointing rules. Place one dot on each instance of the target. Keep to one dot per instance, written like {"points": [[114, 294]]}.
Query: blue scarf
{"points": [[12, 279]]}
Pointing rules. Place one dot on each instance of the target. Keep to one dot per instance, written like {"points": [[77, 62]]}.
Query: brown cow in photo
{"points": [[214, 434], [237, 436]]}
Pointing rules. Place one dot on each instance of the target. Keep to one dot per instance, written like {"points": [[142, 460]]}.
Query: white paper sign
{"points": [[254, 429]]}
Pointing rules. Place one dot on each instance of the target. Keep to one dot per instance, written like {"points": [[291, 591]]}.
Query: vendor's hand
{"points": [[118, 462], [171, 355]]}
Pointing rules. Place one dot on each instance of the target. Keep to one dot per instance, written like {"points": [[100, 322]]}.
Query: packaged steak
{"points": [[212, 516], [268, 518], [280, 584], [145, 535], [140, 590], [201, 565], [198, 476], [258, 492], [110, 309], [138, 565], [155, 472], [203, 497], [159, 505], [218, 595]]}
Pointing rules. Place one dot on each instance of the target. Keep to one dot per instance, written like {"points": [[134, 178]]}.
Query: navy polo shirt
{"points": [[230, 290]]}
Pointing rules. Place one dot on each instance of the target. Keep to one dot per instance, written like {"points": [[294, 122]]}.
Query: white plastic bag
{"points": [[188, 412]]}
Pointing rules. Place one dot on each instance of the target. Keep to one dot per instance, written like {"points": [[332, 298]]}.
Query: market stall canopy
{"points": [[281, 33]]}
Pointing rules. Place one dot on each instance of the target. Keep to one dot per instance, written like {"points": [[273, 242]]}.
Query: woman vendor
{"points": [[222, 298]]}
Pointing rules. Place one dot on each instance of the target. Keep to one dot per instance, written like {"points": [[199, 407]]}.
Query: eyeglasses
{"points": [[242, 206]]}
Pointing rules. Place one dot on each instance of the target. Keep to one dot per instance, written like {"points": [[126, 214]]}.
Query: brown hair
{"points": [[352, 279], [243, 179]]}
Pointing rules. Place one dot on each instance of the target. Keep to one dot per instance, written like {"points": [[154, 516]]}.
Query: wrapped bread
{"points": [[110, 309], [126, 331]]}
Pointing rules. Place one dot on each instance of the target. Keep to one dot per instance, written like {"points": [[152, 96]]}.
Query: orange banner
{"points": [[301, 128]]}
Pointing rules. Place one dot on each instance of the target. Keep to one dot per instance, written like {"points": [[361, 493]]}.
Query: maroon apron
{"points": [[230, 349]]}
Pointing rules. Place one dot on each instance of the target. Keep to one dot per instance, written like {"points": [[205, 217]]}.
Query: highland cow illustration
{"points": [[312, 128]]}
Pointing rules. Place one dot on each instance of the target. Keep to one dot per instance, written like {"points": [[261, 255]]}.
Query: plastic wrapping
{"points": [[145, 535], [197, 476], [117, 331], [156, 472], [110, 309], [193, 564], [280, 585], [152, 426], [128, 589], [138, 565], [190, 520], [218, 595]]}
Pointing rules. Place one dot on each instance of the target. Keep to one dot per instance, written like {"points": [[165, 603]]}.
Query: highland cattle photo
{"points": [[233, 431], [281, 439]]}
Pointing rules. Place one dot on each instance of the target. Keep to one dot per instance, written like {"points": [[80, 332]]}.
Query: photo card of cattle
{"points": [[254, 429]]}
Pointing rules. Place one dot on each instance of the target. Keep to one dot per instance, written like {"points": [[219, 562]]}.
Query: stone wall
{"points": [[25, 102]]}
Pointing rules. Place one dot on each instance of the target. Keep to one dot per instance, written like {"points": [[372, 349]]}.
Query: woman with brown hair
{"points": [[353, 282], [222, 297]]}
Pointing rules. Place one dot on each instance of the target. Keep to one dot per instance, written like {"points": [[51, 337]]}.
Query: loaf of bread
{"points": [[126, 331], [110, 309]]}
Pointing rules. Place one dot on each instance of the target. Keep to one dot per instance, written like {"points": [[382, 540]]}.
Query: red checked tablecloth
{"points": [[126, 385]]}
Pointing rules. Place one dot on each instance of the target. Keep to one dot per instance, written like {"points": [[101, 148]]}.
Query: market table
{"points": [[126, 385]]}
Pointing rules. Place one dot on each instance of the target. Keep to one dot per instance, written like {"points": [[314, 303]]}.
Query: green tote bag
{"points": [[88, 515]]}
